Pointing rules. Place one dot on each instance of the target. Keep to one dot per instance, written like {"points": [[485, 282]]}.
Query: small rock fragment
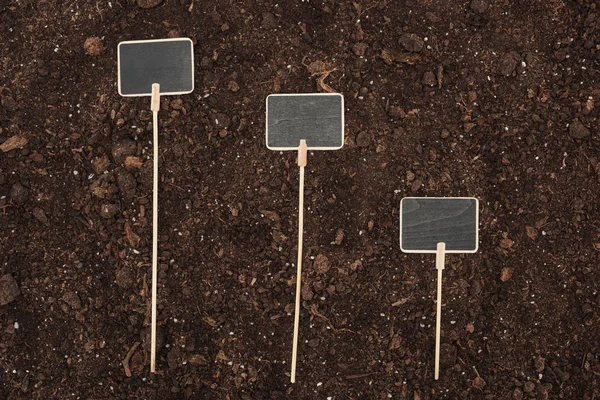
{"points": [[542, 391], [339, 236], [578, 131], [395, 343], [125, 277], [563, 375], [472, 96], [176, 104], [148, 3], [322, 264], [173, 357], [359, 49], [109, 210], [506, 274], [432, 17], [132, 237], [278, 236], [40, 215], [416, 185], [127, 185], [100, 164], [206, 62], [14, 142], [450, 352], [508, 64], [93, 46], [174, 33], [396, 112], [478, 383], [9, 289], [528, 386], [429, 79], [411, 42], [474, 287], [19, 193], [197, 359], [271, 215], [356, 265], [363, 139], [470, 327], [318, 286], [122, 149], [307, 293], [532, 233], [9, 103], [506, 243], [37, 158], [540, 364], [220, 121], [517, 394], [133, 163], [233, 86], [561, 54], [479, 6], [269, 21], [72, 299]]}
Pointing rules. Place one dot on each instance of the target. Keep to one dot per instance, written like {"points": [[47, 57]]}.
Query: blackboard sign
{"points": [[168, 62], [427, 221], [317, 118]]}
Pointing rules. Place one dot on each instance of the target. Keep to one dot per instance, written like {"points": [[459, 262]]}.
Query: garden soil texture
{"points": [[495, 99]]}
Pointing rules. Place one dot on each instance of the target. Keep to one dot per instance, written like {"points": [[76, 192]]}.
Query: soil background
{"points": [[495, 99]]}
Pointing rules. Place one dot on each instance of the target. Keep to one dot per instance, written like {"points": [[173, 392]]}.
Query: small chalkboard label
{"points": [[427, 221], [168, 62], [317, 118], [439, 225], [302, 122], [154, 68]]}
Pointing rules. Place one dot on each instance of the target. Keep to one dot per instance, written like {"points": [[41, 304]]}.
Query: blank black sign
{"points": [[168, 62], [427, 221], [318, 118]]}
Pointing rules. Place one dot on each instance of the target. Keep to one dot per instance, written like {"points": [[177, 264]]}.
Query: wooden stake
{"points": [[302, 158], [439, 264], [154, 106]]}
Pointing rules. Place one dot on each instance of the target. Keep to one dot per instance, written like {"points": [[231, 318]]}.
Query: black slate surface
{"points": [[425, 222], [166, 62], [317, 118]]}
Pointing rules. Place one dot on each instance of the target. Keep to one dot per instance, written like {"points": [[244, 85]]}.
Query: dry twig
{"points": [[126, 360]]}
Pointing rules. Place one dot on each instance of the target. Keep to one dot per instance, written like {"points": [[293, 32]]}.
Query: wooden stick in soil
{"points": [[302, 156], [439, 264], [154, 106]]}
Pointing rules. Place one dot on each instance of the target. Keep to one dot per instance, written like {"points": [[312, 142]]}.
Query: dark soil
{"points": [[496, 99]]}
